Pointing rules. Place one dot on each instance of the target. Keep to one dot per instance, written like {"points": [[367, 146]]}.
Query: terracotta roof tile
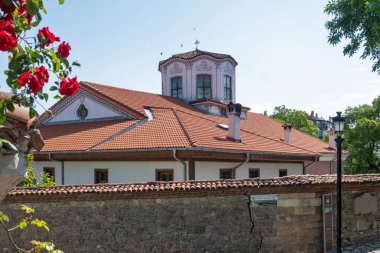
{"points": [[194, 54], [175, 124], [302, 180], [80, 137]]}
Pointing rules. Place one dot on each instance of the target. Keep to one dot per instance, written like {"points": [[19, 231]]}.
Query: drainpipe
{"points": [[248, 155], [183, 163]]}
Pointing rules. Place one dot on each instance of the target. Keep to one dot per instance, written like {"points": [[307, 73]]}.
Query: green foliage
{"points": [[24, 223], [30, 179], [362, 138], [358, 22], [297, 119], [30, 53]]}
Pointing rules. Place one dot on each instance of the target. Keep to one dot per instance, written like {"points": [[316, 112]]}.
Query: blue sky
{"points": [[281, 48]]}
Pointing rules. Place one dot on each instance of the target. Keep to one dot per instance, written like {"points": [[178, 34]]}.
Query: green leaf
{"points": [[53, 88], [32, 112], [46, 96], [23, 224], [27, 209], [32, 7], [10, 106], [61, 1], [3, 217], [57, 97], [66, 62], [76, 63]]}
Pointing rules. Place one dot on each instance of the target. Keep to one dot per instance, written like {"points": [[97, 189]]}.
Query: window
{"points": [[164, 175], [176, 87], [282, 172], [101, 176], [50, 171], [227, 88], [225, 173], [204, 86], [254, 173], [223, 112]]}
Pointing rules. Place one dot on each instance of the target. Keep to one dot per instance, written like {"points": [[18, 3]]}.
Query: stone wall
{"points": [[205, 220]]}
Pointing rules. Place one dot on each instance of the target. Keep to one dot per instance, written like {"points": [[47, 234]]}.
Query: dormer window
{"points": [[176, 87], [227, 88], [204, 86]]}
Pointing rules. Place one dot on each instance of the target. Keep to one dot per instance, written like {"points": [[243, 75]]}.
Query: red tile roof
{"points": [[187, 56], [175, 124], [178, 186]]}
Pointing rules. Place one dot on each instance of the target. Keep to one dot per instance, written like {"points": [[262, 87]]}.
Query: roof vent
{"points": [[222, 126], [149, 113]]}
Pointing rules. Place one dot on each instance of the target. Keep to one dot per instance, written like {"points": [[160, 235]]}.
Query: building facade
{"points": [[194, 130]]}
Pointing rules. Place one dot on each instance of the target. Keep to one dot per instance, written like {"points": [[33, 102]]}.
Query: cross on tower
{"points": [[196, 44]]}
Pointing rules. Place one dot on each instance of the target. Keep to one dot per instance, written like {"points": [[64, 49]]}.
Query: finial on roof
{"points": [[196, 44]]}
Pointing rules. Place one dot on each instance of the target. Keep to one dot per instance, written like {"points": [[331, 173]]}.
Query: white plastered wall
{"points": [[210, 170], [77, 172]]}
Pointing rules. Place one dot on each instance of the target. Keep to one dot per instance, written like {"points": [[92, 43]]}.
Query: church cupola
{"points": [[204, 79], [199, 75]]}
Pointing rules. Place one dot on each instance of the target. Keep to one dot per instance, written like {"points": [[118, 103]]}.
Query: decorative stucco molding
{"points": [[203, 66], [176, 69]]}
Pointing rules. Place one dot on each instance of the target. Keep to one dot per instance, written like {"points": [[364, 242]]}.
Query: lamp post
{"points": [[338, 128]]}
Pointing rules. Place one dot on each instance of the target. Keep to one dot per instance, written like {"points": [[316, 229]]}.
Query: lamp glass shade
{"points": [[338, 126], [338, 123]]}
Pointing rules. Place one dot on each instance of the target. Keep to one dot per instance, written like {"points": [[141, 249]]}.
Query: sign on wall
{"points": [[264, 199], [328, 228]]}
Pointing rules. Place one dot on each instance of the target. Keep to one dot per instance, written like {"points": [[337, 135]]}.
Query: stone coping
{"points": [[289, 184]]}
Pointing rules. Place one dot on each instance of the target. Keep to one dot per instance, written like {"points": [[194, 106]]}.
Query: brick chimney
{"points": [[287, 133], [332, 138], [234, 111]]}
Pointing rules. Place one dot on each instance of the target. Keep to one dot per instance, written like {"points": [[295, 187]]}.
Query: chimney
{"points": [[316, 115], [234, 111], [265, 113], [287, 133], [332, 139], [312, 113]]}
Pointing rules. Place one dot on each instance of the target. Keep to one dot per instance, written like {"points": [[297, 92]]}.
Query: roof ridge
{"points": [[88, 85], [184, 128], [247, 131]]}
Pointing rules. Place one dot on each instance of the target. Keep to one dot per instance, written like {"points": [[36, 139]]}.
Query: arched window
{"points": [[204, 86], [227, 88], [176, 87]]}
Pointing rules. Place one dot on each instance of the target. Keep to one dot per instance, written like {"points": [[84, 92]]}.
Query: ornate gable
{"points": [[81, 107]]}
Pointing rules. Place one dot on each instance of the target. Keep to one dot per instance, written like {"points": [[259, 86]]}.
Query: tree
{"points": [[358, 22], [31, 180], [362, 138], [296, 118]]}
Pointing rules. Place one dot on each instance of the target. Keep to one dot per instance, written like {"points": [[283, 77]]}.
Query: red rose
{"points": [[35, 80], [23, 78], [8, 38], [69, 87], [7, 8], [47, 37], [64, 49]]}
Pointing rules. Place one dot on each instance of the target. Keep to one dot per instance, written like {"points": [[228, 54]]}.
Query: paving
{"points": [[371, 247]]}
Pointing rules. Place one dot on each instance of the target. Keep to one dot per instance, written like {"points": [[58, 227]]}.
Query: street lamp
{"points": [[338, 128]]}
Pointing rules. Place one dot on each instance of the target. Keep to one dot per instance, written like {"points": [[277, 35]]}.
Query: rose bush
{"points": [[33, 57]]}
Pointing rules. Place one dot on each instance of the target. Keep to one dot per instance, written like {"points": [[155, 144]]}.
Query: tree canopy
{"points": [[358, 23], [296, 118], [362, 138]]}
